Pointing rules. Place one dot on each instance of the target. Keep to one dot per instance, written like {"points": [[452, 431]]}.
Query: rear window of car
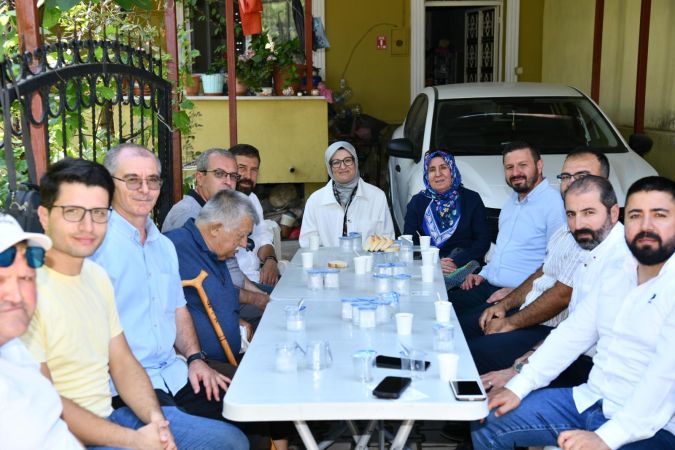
{"points": [[553, 124]]}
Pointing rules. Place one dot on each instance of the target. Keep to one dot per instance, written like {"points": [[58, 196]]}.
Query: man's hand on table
{"points": [[199, 371], [269, 272]]}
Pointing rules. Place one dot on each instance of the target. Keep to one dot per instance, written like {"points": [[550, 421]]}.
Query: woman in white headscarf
{"points": [[346, 204]]}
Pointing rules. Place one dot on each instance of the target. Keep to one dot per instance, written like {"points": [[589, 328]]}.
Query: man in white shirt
{"points": [[260, 263], [347, 204], [30, 415], [628, 401]]}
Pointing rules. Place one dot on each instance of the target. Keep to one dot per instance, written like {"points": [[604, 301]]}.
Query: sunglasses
{"points": [[35, 257]]}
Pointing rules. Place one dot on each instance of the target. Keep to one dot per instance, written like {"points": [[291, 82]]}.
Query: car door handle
{"points": [[397, 168]]}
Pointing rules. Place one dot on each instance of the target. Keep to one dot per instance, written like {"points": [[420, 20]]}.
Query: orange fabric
{"points": [[251, 16]]}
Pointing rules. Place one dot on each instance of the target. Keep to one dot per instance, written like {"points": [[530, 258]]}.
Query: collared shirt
{"points": [[30, 411], [188, 208], [563, 257], [147, 293], [634, 368], [524, 229], [368, 214], [193, 257], [248, 260]]}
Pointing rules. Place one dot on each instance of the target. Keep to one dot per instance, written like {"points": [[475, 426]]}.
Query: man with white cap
{"points": [[30, 416], [346, 204]]}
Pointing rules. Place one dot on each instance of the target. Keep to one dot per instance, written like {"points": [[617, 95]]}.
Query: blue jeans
{"points": [[539, 419], [189, 432]]}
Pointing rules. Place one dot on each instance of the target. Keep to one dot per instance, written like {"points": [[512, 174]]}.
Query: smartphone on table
{"points": [[391, 362], [391, 387], [467, 390]]}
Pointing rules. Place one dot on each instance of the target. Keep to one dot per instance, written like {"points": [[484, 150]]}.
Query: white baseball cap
{"points": [[11, 233]]}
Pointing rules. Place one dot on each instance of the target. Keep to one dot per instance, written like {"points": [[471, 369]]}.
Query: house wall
{"points": [[530, 40], [567, 59], [379, 80]]}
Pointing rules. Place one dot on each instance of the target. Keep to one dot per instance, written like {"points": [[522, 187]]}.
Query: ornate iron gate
{"points": [[87, 96]]}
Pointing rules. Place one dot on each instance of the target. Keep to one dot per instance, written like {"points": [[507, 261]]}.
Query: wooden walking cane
{"points": [[197, 284]]}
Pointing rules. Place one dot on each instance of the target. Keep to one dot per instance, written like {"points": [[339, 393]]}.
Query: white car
{"points": [[473, 121]]}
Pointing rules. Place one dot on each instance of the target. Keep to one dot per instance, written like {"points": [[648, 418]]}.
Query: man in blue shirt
{"points": [[526, 222], [143, 267]]}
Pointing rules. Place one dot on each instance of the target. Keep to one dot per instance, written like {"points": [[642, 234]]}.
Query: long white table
{"points": [[260, 393]]}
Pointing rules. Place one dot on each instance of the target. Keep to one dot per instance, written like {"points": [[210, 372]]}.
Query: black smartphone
{"points": [[390, 362], [467, 390], [391, 387]]}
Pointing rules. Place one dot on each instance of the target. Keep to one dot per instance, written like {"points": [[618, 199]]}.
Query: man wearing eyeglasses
{"points": [[30, 415], [346, 204], [143, 267]]}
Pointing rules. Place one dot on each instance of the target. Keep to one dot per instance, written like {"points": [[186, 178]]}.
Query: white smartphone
{"points": [[467, 390]]}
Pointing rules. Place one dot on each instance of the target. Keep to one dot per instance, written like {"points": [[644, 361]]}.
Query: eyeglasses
{"points": [[573, 176], [348, 162], [76, 213], [220, 173], [35, 257], [135, 183]]}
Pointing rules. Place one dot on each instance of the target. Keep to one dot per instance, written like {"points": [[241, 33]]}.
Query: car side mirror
{"points": [[640, 143], [403, 148]]}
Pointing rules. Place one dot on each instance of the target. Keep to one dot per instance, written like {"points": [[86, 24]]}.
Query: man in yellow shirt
{"points": [[76, 334]]}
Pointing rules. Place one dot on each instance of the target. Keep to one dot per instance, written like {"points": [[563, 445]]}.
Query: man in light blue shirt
{"points": [[143, 267], [526, 222]]}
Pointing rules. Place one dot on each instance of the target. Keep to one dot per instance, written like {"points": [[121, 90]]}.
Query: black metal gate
{"points": [[93, 95]]}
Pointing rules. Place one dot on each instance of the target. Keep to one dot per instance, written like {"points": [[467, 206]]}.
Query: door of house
{"points": [[481, 44]]}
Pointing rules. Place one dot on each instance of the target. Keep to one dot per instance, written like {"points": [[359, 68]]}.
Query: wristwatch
{"points": [[272, 257], [195, 356], [518, 366]]}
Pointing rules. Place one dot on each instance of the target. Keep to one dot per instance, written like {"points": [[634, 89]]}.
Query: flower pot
{"points": [[192, 83], [213, 83], [281, 74], [240, 87]]}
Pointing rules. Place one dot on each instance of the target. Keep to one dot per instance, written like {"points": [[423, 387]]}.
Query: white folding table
{"points": [[260, 393]]}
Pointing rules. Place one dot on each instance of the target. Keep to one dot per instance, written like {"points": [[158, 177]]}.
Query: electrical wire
{"points": [[363, 36]]}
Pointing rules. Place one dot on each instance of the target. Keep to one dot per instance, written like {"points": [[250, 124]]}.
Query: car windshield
{"points": [[481, 126]]}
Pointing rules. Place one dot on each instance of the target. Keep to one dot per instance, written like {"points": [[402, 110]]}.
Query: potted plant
{"points": [[213, 80], [288, 70], [254, 66]]}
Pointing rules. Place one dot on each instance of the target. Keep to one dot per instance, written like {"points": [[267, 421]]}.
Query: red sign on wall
{"points": [[381, 42]]}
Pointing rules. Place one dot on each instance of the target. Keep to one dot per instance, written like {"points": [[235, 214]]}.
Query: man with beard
{"points": [[260, 264], [526, 222], [629, 315], [512, 326]]}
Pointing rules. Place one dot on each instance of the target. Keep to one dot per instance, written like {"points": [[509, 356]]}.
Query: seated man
{"points": [[204, 244], [346, 204], [217, 170], [143, 267], [526, 223], [260, 264], [514, 325], [30, 416], [629, 314], [76, 333]]}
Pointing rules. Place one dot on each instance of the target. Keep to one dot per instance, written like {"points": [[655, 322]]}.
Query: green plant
{"points": [[288, 54], [254, 67]]}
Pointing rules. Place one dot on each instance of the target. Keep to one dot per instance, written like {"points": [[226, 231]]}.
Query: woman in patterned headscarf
{"points": [[453, 216]]}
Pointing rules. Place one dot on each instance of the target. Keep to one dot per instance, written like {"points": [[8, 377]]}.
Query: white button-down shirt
{"points": [[249, 263], [634, 368], [367, 214], [30, 407], [563, 257]]}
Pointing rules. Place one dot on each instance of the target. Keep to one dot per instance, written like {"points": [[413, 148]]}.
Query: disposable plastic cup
{"points": [[443, 309], [415, 362], [427, 274], [406, 240], [447, 366], [435, 251], [425, 242], [314, 242], [286, 358], [364, 360], [444, 337], [360, 265], [404, 323], [295, 318], [307, 260], [428, 257], [370, 261]]}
